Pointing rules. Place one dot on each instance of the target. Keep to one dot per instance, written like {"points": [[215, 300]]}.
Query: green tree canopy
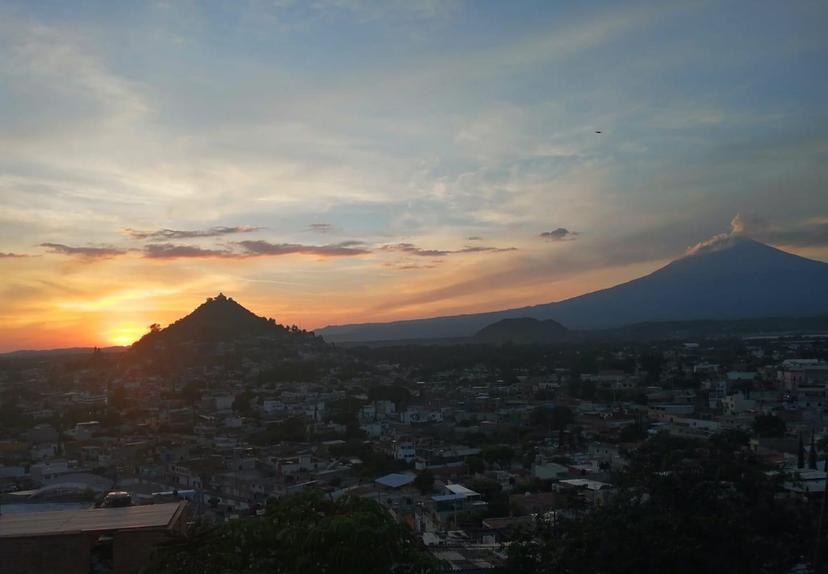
{"points": [[299, 534], [683, 506], [425, 481], [768, 426]]}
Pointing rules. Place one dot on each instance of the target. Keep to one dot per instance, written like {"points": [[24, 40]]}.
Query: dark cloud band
{"points": [[88, 252], [559, 234], [189, 234]]}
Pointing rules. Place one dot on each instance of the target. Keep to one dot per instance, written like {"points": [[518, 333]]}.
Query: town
{"points": [[469, 446]]}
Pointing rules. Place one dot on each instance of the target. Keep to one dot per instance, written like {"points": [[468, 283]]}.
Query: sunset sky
{"points": [[336, 161]]}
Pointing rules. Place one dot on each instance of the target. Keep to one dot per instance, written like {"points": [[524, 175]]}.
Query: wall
{"points": [[67, 554]]}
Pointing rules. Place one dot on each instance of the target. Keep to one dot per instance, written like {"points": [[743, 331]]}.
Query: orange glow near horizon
{"points": [[505, 166], [109, 303], [125, 335]]}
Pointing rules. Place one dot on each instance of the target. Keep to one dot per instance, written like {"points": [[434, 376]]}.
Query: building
{"points": [[405, 451], [76, 541]]}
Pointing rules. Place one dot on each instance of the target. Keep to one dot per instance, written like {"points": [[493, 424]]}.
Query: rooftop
{"points": [[395, 480], [460, 489], [90, 520]]}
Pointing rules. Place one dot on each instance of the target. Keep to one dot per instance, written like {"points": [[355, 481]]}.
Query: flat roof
{"points": [[460, 489], [448, 497], [89, 520], [395, 480], [590, 484]]}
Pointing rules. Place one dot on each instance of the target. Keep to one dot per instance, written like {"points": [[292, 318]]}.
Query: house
{"points": [[395, 480], [458, 498], [78, 541], [737, 403], [593, 491], [549, 471], [404, 451]]}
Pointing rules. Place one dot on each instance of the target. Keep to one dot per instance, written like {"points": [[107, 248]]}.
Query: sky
{"points": [[338, 161]]}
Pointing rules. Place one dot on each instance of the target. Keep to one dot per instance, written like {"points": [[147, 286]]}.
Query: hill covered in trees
{"points": [[523, 330], [219, 319]]}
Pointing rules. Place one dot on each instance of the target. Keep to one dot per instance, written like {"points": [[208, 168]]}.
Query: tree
{"points": [[683, 506], [475, 465], [560, 417], [769, 426], [501, 454], [425, 481], [632, 432], [298, 534], [242, 402]]}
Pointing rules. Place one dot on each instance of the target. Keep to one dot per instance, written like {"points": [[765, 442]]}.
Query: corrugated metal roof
{"points": [[395, 480], [91, 520]]}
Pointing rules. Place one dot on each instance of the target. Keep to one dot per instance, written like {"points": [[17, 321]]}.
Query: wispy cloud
{"points": [[321, 227], [238, 250], [482, 249], [411, 249], [12, 255], [188, 234], [344, 249], [391, 10], [172, 251], [249, 249], [812, 232], [405, 266], [61, 58], [85, 252]]}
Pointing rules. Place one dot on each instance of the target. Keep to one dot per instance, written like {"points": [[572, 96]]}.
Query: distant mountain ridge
{"points": [[743, 279], [63, 351]]}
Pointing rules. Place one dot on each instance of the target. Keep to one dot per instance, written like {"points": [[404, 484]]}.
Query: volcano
{"points": [[738, 279]]}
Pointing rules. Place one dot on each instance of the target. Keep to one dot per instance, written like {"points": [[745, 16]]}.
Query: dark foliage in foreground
{"points": [[685, 506], [300, 534]]}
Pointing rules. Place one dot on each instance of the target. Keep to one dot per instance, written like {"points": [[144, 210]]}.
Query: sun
{"points": [[125, 335]]}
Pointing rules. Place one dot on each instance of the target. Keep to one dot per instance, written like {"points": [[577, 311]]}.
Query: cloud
{"points": [[559, 234], [172, 251], [87, 252], [474, 238], [11, 255], [344, 249], [350, 243], [391, 10], [808, 233], [321, 227], [254, 249], [188, 234], [247, 249], [482, 249], [411, 249], [404, 266]]}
